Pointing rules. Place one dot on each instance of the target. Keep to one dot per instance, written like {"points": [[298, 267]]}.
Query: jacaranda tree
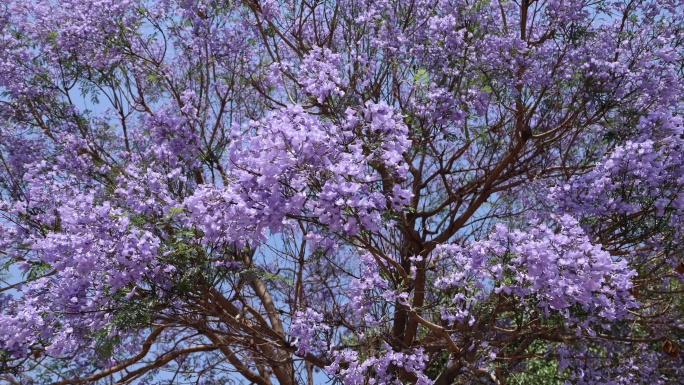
{"points": [[358, 191]]}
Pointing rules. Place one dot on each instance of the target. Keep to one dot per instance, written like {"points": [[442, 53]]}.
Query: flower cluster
{"points": [[379, 369], [305, 325], [548, 269]]}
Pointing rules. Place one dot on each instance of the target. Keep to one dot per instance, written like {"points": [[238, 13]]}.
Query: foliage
{"points": [[354, 191]]}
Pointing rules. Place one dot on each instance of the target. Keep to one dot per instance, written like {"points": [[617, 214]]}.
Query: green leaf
{"points": [[37, 270], [421, 77]]}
